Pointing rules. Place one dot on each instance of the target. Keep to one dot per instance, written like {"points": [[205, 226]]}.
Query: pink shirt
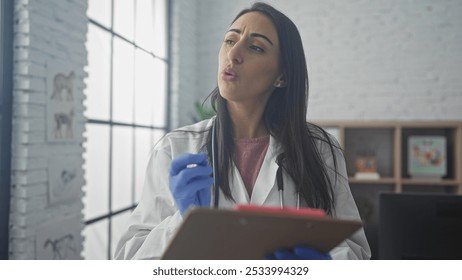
{"points": [[249, 156]]}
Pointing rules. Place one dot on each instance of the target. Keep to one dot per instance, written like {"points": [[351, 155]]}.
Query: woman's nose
{"points": [[235, 54]]}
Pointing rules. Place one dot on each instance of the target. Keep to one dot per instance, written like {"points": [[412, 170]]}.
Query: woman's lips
{"points": [[228, 75]]}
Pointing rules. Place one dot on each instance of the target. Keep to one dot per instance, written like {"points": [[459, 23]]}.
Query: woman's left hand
{"points": [[298, 253]]}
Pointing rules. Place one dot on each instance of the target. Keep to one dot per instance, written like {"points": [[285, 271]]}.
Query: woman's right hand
{"points": [[190, 181]]}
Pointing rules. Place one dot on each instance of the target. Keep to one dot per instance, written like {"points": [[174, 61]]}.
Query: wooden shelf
{"points": [[384, 180], [430, 182]]}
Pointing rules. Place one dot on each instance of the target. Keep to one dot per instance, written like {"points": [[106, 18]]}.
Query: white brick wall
{"points": [[384, 60], [46, 32], [184, 59]]}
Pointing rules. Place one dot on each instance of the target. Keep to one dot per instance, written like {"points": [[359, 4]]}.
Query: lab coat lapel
{"points": [[267, 176], [238, 190]]}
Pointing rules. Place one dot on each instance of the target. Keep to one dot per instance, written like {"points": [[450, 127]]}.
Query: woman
{"points": [[261, 104]]}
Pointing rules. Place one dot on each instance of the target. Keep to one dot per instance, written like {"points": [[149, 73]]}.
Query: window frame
{"points": [[111, 124]]}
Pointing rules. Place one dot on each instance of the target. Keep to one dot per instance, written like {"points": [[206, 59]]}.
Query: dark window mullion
{"points": [[108, 215], [126, 40], [134, 125], [133, 106], [111, 132], [169, 71]]}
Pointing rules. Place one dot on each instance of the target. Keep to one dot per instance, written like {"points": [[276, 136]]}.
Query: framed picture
{"points": [[61, 102], [59, 239], [427, 156], [64, 184]]}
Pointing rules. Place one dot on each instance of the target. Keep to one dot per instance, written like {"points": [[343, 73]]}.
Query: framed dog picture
{"points": [[427, 156], [60, 103]]}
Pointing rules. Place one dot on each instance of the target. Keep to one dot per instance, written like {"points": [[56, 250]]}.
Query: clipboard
{"points": [[253, 232]]}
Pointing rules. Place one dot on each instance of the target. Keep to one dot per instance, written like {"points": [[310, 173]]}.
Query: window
{"points": [[127, 111]]}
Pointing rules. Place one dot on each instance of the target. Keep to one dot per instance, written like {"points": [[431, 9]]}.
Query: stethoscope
{"points": [[216, 186]]}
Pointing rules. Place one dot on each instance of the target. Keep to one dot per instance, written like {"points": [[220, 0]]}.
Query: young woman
{"points": [[260, 128]]}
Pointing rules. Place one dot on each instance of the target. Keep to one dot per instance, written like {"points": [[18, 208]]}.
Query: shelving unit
{"points": [[388, 141]]}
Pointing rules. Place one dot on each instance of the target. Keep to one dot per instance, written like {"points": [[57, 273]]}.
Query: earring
{"points": [[278, 85]]}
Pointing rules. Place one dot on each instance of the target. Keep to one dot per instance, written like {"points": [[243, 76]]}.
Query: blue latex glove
{"points": [[298, 253], [190, 181]]}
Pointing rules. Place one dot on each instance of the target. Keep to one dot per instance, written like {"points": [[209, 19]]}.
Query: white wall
{"points": [[47, 33], [383, 60], [184, 60]]}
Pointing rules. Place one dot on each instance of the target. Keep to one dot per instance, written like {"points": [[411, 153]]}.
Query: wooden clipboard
{"points": [[218, 234]]}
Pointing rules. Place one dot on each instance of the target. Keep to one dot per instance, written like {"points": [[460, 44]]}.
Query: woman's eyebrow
{"points": [[254, 34]]}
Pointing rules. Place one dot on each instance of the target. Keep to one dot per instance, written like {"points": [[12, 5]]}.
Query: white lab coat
{"points": [[156, 217]]}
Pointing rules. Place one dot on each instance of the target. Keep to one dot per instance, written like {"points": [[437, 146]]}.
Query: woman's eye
{"points": [[229, 42], [257, 49]]}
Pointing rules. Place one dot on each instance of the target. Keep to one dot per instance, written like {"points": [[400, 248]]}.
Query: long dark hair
{"points": [[285, 119]]}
